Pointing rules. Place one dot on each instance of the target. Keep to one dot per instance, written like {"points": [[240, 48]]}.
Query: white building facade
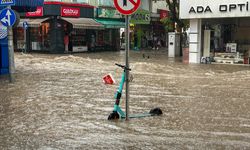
{"points": [[218, 29]]}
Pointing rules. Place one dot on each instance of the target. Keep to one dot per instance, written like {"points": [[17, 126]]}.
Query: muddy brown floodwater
{"points": [[60, 102]]}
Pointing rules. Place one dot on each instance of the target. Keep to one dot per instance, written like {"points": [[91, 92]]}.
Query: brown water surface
{"points": [[60, 102]]}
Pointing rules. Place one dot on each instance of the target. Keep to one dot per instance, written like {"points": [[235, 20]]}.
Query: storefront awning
{"points": [[84, 23], [113, 24], [32, 22]]}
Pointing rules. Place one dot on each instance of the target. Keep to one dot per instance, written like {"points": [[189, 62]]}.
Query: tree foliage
{"points": [[173, 22]]}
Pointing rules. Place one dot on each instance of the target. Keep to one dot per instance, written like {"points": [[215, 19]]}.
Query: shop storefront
{"points": [[160, 32], [20, 6], [109, 38], [218, 30], [37, 35], [57, 27], [146, 30], [141, 29], [80, 32]]}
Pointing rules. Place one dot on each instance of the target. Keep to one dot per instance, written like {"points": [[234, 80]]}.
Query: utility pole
{"points": [[11, 53], [127, 66], [127, 8]]}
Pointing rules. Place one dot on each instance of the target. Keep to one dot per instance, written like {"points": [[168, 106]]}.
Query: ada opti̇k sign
{"points": [[70, 12], [214, 9]]}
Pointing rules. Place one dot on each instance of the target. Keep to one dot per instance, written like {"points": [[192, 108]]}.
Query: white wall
{"points": [[81, 1], [159, 5], [145, 4], [195, 41]]}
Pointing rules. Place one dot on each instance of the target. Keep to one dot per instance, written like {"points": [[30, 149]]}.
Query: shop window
{"points": [[107, 37], [81, 1], [104, 38], [100, 38], [39, 37], [19, 43], [35, 38], [78, 37], [45, 36], [78, 40]]}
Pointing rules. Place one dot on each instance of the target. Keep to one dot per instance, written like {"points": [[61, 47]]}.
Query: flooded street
{"points": [[61, 102]]}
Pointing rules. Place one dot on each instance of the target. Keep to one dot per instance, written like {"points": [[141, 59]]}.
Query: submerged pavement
{"points": [[60, 102]]}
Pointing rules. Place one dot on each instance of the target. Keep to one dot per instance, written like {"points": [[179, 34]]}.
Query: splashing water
{"points": [[60, 102]]}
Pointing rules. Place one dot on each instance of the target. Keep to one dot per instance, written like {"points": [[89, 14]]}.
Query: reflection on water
{"points": [[60, 102]]}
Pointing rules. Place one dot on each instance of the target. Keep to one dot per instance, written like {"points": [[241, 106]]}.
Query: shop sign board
{"points": [[163, 14], [108, 13], [140, 17], [37, 13], [127, 7], [70, 12], [25, 25], [193, 9], [7, 2]]}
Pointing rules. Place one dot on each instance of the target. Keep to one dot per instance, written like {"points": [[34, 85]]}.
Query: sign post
{"points": [[127, 7], [11, 54], [25, 27], [8, 19], [127, 65]]}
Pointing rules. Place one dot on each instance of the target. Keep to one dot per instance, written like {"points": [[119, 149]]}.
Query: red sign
{"points": [[163, 14], [38, 12], [127, 7], [70, 12]]}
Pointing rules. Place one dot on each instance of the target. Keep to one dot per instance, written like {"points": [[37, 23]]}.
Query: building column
{"points": [[195, 41]]}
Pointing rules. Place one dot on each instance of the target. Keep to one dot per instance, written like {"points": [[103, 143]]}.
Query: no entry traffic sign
{"points": [[127, 7]]}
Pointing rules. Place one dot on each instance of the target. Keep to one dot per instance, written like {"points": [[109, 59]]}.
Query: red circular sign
{"points": [[127, 7]]}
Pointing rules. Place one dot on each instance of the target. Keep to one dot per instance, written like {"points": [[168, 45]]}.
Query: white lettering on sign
{"points": [[214, 9], [38, 12], [145, 17], [7, 2], [68, 11]]}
